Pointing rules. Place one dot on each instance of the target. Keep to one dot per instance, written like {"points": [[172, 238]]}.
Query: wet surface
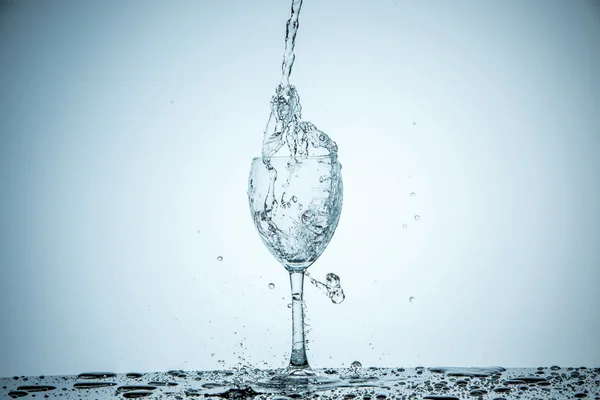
{"points": [[449, 383]]}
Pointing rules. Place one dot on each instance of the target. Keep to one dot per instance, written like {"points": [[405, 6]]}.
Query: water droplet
{"points": [[355, 366], [404, 226], [289, 305], [321, 137], [334, 289], [417, 217], [412, 194], [337, 296], [96, 375], [93, 385], [333, 281], [294, 199], [307, 216], [271, 286], [414, 122], [411, 299], [220, 258]]}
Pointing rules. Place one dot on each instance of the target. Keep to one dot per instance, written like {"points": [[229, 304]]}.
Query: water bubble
{"points": [[271, 286], [417, 217], [220, 258], [404, 226]]}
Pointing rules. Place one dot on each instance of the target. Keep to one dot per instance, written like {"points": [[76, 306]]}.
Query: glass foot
{"points": [[299, 379], [299, 372]]}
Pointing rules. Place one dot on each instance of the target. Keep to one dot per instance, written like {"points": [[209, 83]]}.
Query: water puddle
{"points": [[356, 382]]}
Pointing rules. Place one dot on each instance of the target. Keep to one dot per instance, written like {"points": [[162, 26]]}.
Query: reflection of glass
{"points": [[296, 203]]}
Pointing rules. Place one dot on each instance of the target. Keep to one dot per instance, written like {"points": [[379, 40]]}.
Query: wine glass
{"points": [[296, 203]]}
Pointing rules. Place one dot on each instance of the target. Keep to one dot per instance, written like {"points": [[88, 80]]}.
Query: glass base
{"points": [[293, 372], [299, 378]]}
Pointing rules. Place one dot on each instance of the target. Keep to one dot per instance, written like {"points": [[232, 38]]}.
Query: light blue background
{"points": [[126, 134]]}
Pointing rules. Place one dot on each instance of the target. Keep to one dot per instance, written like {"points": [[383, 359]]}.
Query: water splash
{"points": [[332, 288], [285, 124]]}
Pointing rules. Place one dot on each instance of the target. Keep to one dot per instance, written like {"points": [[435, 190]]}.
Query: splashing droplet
{"points": [[220, 258], [271, 286], [355, 367], [334, 289], [417, 217], [331, 288]]}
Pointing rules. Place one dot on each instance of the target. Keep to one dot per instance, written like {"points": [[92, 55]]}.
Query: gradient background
{"points": [[127, 130]]}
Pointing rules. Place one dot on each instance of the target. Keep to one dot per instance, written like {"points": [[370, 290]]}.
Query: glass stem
{"points": [[298, 358]]}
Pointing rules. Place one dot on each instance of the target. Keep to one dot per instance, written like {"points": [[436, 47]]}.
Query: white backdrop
{"points": [[126, 134]]}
